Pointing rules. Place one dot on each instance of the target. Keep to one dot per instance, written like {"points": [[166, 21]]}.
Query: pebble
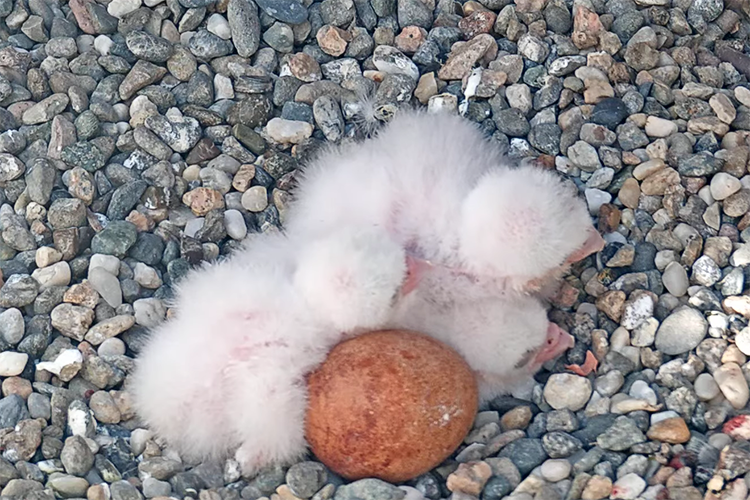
{"points": [[681, 331], [12, 363], [12, 325], [565, 391], [555, 470], [732, 384]]}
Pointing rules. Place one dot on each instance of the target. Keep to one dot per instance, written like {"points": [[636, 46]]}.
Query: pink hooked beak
{"points": [[415, 270], [594, 243], [558, 341]]}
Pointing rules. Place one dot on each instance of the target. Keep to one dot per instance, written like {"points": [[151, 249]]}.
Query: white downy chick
{"points": [[505, 339], [226, 373], [437, 186]]}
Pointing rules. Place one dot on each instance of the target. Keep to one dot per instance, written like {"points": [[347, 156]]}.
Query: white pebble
{"points": [[103, 44], [55, 275], [743, 95], [724, 185], [288, 131], [110, 263], [12, 326], [107, 285], [641, 390], [255, 199], [149, 312], [219, 26], [46, 256], [705, 387], [628, 487], [659, 127], [675, 279], [121, 8], [67, 363], [663, 415], [742, 340], [12, 363], [595, 199], [138, 439], [733, 385], [146, 276], [223, 87], [555, 470], [111, 347], [565, 391], [235, 224]]}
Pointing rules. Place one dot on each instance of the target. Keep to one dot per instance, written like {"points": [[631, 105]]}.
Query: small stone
{"points": [[671, 430], [723, 108], [565, 391], [203, 200], [255, 199], [55, 275], [288, 131], [121, 8], [628, 487], [621, 435], [675, 279], [106, 285], [659, 127], [12, 326], [469, 478], [555, 470], [12, 363], [597, 488], [724, 185], [72, 321], [462, 59], [76, 456], [733, 385], [46, 109], [66, 365], [681, 331]]}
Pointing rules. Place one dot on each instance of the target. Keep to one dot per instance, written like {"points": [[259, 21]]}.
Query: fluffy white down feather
{"points": [[227, 371], [437, 186]]}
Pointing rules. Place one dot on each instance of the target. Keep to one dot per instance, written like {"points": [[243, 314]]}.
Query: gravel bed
{"points": [[141, 137]]}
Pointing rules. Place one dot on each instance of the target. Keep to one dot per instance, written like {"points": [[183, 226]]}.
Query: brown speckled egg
{"points": [[389, 404]]}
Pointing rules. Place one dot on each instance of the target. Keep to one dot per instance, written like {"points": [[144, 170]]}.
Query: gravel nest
{"points": [[141, 137]]}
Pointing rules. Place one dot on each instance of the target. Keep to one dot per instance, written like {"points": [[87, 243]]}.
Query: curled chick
{"points": [[504, 338], [226, 373], [434, 184]]}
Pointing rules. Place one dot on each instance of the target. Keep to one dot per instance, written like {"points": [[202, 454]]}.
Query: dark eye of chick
{"points": [[526, 358]]}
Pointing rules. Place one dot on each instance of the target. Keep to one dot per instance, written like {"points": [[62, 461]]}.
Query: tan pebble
{"points": [[332, 40], [410, 39], [630, 193], [612, 303], [202, 200], [671, 430], [142, 222], [597, 488], [244, 177], [82, 294], [284, 493], [657, 183], [648, 168], [426, 88], [517, 418], [470, 478], [17, 385]]}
